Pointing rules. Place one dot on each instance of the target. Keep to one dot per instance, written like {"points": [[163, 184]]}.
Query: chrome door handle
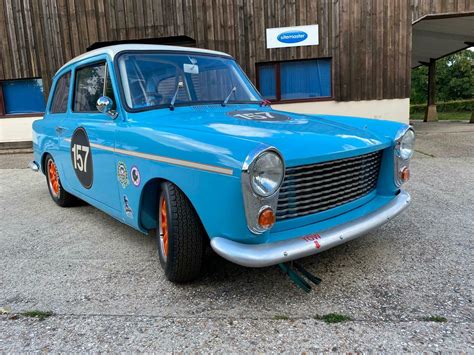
{"points": [[60, 129]]}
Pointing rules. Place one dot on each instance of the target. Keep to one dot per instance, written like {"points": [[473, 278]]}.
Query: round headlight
{"points": [[407, 145], [266, 173]]}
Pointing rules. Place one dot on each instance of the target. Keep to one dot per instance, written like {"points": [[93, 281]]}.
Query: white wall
{"points": [[17, 129], [393, 109]]}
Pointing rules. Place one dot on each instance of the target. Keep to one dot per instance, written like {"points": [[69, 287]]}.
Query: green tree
{"points": [[454, 79]]}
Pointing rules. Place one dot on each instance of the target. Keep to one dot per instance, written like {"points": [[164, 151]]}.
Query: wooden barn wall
{"points": [[421, 8], [369, 40]]}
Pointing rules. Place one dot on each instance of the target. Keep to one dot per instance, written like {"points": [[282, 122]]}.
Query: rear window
{"points": [[61, 94]]}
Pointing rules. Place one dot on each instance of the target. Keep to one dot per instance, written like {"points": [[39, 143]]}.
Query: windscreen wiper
{"points": [[175, 96], [228, 96]]}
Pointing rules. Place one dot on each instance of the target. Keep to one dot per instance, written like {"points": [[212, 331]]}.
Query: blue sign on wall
{"points": [[295, 36]]}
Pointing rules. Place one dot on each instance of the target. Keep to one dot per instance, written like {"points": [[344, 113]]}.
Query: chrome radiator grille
{"points": [[319, 187]]}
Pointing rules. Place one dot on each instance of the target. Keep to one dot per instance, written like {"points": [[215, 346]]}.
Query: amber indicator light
{"points": [[405, 174], [267, 218]]}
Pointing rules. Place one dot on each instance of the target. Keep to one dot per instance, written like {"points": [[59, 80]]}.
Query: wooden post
{"points": [[472, 117], [430, 114]]}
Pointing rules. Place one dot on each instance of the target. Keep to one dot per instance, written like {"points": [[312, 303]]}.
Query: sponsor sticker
{"points": [[314, 239], [135, 176], [191, 68], [122, 174], [128, 209]]}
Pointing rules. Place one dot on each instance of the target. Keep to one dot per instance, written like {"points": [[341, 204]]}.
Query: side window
{"points": [[61, 94], [90, 86]]}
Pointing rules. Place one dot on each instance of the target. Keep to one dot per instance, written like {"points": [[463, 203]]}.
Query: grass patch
{"points": [[444, 116], [333, 318], [424, 153], [280, 317], [41, 315], [438, 319]]}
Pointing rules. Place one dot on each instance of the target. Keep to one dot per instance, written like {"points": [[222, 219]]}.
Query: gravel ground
{"points": [[103, 282]]}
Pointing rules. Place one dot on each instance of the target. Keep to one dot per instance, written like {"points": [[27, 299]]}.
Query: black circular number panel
{"points": [[81, 157], [256, 115]]}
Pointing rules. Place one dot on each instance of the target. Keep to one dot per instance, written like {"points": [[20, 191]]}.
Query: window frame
{"points": [[278, 99], [3, 113], [166, 106], [50, 105]]}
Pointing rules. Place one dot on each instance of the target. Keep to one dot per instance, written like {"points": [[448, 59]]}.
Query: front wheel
{"points": [[181, 235], [56, 190]]}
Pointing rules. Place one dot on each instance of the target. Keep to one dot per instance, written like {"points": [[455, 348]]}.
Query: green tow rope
{"points": [[297, 279]]}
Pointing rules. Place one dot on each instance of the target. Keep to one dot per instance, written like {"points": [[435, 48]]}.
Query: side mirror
{"points": [[104, 104]]}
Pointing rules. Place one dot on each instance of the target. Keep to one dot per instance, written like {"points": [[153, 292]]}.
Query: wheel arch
{"points": [[148, 207], [43, 161]]}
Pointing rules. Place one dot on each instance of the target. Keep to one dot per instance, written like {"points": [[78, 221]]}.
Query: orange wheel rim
{"points": [[164, 227], [53, 177]]}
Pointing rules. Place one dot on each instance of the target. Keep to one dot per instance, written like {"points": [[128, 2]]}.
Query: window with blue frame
{"points": [[23, 96], [295, 80]]}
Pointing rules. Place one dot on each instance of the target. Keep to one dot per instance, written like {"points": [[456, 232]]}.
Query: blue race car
{"points": [[178, 141]]}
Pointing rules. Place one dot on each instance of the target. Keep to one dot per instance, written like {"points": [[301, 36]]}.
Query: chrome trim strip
{"points": [[253, 203], [261, 255], [400, 163], [185, 163], [162, 159]]}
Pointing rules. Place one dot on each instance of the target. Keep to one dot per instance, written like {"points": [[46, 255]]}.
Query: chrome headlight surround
{"points": [[403, 152], [256, 199]]}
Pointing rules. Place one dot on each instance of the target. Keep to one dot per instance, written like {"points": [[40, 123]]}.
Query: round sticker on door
{"points": [[135, 176], [81, 157]]}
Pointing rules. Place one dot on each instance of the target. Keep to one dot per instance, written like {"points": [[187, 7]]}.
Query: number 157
{"points": [[80, 163]]}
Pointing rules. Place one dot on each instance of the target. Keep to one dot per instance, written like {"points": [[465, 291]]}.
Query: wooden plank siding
{"points": [[369, 41], [420, 8]]}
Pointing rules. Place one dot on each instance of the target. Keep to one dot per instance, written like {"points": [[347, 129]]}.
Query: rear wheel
{"points": [[181, 236], [56, 190]]}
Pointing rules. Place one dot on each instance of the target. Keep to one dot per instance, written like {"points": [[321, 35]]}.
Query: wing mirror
{"points": [[104, 104]]}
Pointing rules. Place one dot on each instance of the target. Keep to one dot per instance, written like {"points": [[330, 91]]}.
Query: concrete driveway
{"points": [[103, 282]]}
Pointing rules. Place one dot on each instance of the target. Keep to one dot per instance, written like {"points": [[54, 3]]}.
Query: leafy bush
{"points": [[454, 79], [448, 106]]}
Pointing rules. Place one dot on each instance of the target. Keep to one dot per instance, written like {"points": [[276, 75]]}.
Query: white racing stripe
{"points": [[162, 159], [159, 158]]}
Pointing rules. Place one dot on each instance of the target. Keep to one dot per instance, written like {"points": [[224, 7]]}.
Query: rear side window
{"points": [[61, 94], [90, 86]]}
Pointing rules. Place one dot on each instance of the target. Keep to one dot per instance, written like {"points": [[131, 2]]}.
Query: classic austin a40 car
{"points": [[178, 141]]}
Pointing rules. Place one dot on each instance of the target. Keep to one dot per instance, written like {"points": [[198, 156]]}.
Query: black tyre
{"points": [[181, 236], [56, 190]]}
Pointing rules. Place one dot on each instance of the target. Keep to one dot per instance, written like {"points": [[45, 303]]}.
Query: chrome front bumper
{"points": [[261, 255]]}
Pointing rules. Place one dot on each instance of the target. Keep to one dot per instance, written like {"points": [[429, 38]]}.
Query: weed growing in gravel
{"points": [[280, 317], [41, 315], [438, 319], [333, 318]]}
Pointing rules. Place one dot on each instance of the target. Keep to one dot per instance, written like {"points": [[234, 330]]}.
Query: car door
{"points": [[57, 113], [90, 139]]}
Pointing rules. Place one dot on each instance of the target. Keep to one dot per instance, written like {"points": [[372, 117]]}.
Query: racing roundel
{"points": [[256, 115], [81, 157]]}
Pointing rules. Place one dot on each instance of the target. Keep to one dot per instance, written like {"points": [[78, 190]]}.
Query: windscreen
{"points": [[152, 80]]}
